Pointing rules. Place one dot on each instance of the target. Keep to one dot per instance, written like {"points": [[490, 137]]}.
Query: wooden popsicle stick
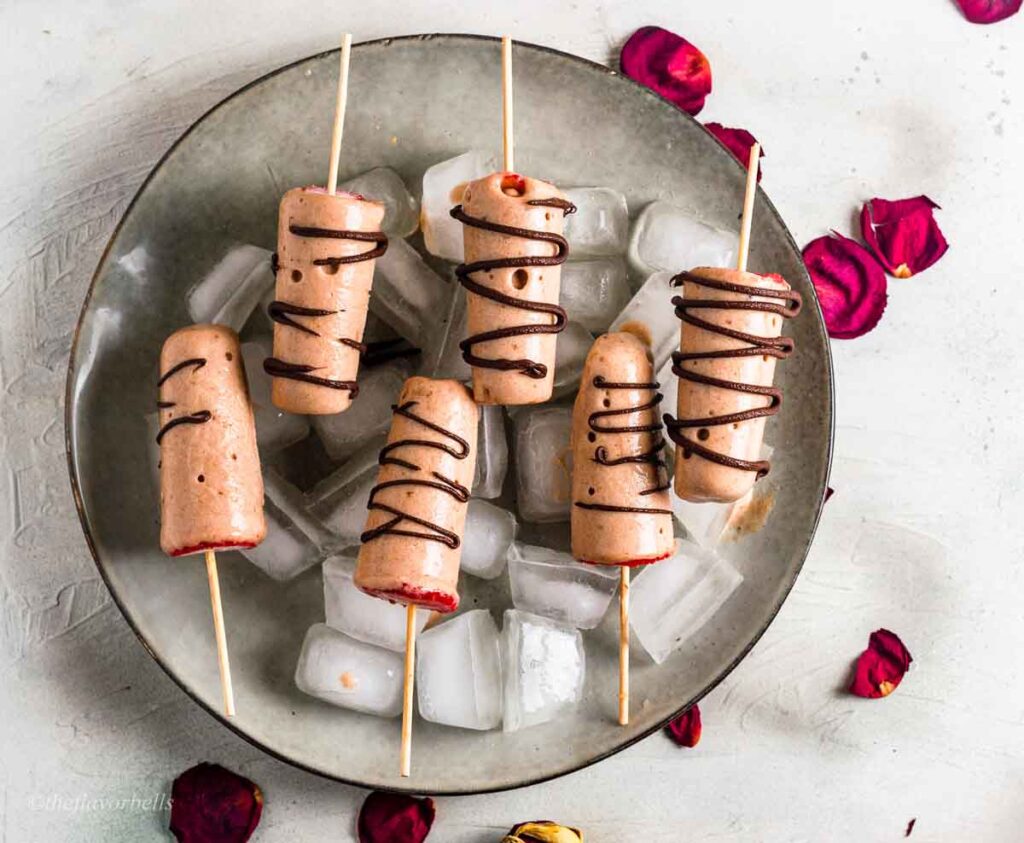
{"points": [[748, 206], [339, 113], [410, 679], [624, 646], [218, 630], [506, 103]]}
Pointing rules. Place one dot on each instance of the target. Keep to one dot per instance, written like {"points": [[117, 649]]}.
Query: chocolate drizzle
{"points": [[198, 417], [778, 347], [282, 312], [530, 368], [459, 451], [652, 456]]}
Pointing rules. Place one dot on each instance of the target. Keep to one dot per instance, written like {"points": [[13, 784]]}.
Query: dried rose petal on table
{"points": [[395, 818], [210, 804], [880, 668], [988, 11], [669, 65], [543, 831], [850, 284], [737, 141], [685, 729], [903, 234]]}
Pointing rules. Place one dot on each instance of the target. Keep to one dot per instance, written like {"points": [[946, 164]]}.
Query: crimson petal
{"points": [[395, 818], [737, 141], [988, 11], [669, 65], [850, 284], [685, 729], [210, 804], [881, 667], [903, 234]]}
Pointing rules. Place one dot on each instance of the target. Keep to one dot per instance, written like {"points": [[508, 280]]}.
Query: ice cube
{"points": [[275, 429], [543, 463], [666, 237], [350, 673], [359, 615], [401, 210], [340, 499], [407, 294], [594, 291], [458, 672], [570, 355], [294, 538], [491, 453], [651, 315], [672, 599], [544, 667], [488, 536], [553, 584], [229, 292], [443, 185], [707, 522], [443, 356], [600, 225], [342, 434]]}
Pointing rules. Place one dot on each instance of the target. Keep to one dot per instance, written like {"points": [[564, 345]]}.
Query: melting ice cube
{"points": [[229, 292], [359, 615], [458, 672], [672, 599], [571, 353], [543, 463], [553, 584], [350, 673], [491, 454], [488, 536], [275, 429], [407, 294], [544, 667], [594, 292], [651, 315], [340, 499], [666, 237], [443, 185], [600, 225], [401, 210]]}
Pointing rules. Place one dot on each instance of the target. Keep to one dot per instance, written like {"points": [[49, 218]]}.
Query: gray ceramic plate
{"points": [[414, 101]]}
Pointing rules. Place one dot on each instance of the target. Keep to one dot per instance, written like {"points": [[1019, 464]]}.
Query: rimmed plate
{"points": [[413, 101]]}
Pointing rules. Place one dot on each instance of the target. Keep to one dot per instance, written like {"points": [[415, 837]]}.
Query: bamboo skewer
{"points": [[748, 206], [410, 679], [227, 691], [506, 104], [339, 113], [624, 646]]}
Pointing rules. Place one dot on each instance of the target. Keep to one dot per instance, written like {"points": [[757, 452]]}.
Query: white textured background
{"points": [[851, 100]]}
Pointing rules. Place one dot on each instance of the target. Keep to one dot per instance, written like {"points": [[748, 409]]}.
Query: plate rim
{"points": [[69, 427]]}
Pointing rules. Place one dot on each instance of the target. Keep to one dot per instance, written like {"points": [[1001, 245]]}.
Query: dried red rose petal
{"points": [[988, 11], [395, 818], [850, 283], [669, 65], [903, 234], [210, 804], [881, 666], [737, 141], [686, 728]]}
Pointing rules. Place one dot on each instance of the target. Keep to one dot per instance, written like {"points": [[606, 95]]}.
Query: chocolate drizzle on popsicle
{"points": [[459, 451], [652, 456], [530, 368], [198, 417], [282, 312], [778, 347]]}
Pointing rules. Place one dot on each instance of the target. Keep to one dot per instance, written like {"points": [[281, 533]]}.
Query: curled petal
{"points": [[988, 11], [669, 65], [850, 284], [395, 818], [685, 729], [210, 804], [543, 831], [881, 666], [903, 234], [737, 141]]}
